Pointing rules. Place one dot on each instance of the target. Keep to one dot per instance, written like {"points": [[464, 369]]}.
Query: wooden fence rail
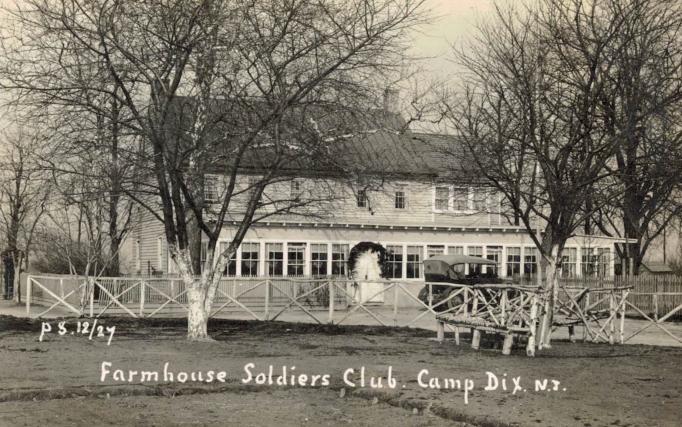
{"points": [[653, 295], [598, 306]]}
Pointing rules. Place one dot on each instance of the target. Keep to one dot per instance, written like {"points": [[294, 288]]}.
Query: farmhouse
{"points": [[404, 198]]}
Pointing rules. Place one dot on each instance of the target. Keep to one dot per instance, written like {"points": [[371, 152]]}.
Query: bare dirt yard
{"points": [[73, 380]]}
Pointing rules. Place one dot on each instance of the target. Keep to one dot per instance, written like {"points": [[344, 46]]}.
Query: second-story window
{"points": [[361, 199], [442, 198], [159, 254], [211, 189], [400, 199], [461, 199], [252, 183], [295, 190], [480, 200], [138, 255]]}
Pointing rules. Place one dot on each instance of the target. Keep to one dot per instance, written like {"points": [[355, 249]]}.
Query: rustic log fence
{"points": [[656, 296], [508, 310], [600, 312]]}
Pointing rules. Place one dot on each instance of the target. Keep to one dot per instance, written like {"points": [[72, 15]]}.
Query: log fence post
{"points": [[507, 345], [395, 305], [503, 304], [532, 326], [476, 339], [92, 297], [587, 306], [266, 314], [141, 310], [331, 302], [29, 285], [612, 317], [624, 295]]}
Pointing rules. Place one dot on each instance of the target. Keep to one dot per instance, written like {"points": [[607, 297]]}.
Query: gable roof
{"points": [[322, 140], [657, 267]]}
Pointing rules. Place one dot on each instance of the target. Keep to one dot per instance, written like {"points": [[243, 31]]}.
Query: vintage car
{"points": [[450, 269]]}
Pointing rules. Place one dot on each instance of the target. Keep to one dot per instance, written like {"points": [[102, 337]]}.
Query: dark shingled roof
{"points": [[361, 142], [657, 267]]}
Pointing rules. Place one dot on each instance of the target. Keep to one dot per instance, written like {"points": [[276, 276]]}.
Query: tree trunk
{"points": [[552, 279], [197, 316], [114, 261], [18, 263], [551, 276], [115, 194], [201, 292], [198, 294], [194, 242]]}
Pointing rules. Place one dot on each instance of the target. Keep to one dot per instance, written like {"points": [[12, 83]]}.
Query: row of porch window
{"points": [[404, 261]]}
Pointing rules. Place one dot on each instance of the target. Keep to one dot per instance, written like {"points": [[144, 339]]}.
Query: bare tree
{"points": [[529, 123], [93, 165], [642, 108], [216, 84], [24, 195]]}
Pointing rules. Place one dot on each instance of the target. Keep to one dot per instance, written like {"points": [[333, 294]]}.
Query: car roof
{"points": [[461, 259]]}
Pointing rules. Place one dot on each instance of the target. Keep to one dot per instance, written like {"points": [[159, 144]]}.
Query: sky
{"points": [[454, 21]]}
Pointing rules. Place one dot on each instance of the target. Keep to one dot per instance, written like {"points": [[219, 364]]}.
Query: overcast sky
{"points": [[454, 21]]}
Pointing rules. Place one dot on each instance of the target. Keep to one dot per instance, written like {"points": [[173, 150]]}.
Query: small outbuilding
{"points": [[655, 269]]}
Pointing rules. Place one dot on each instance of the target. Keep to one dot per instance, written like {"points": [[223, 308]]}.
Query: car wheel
{"points": [[455, 301]]}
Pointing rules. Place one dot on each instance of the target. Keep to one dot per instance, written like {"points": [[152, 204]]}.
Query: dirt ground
{"points": [[57, 382]]}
